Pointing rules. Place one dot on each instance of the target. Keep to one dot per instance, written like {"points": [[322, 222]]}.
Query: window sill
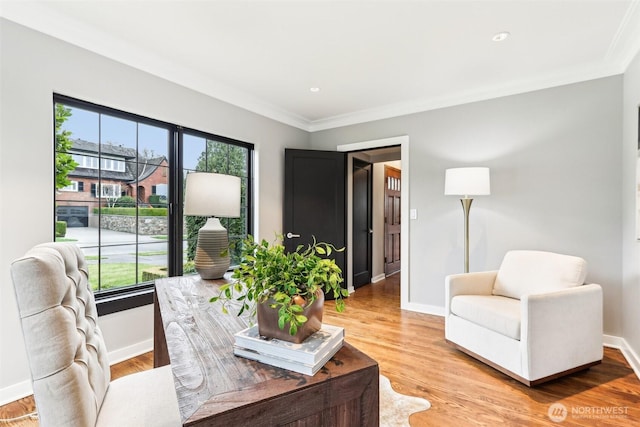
{"points": [[113, 303]]}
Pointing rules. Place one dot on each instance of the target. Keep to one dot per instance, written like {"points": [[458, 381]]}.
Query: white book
{"points": [[292, 365], [310, 351]]}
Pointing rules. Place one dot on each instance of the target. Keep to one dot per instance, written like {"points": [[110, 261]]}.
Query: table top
{"points": [[209, 378]]}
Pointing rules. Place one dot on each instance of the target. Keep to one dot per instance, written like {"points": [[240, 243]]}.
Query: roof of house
{"points": [[137, 167], [107, 149]]}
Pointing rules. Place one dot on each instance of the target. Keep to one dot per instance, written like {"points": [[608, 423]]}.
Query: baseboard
{"points": [[134, 350], [378, 278], [423, 308], [24, 388], [621, 344], [15, 392]]}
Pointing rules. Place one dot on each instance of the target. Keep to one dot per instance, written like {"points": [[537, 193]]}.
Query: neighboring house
{"points": [[105, 173]]}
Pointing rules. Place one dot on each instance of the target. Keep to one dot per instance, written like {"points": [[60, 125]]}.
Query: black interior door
{"points": [[314, 200], [362, 222]]}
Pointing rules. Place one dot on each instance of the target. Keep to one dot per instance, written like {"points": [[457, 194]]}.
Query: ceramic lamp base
{"points": [[212, 252]]}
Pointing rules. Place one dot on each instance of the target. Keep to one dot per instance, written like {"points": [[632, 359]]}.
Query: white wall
{"points": [[631, 272], [34, 66], [555, 157]]}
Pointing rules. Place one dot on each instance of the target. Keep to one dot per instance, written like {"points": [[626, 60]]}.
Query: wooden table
{"points": [[214, 387]]}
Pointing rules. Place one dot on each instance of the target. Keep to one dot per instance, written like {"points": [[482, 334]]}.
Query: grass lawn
{"points": [[150, 253], [116, 275]]}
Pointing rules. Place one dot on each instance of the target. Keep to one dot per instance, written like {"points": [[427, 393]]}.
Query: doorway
{"points": [[385, 237], [382, 150]]}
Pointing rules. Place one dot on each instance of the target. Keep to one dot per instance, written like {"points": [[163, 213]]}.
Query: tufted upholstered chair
{"points": [[67, 354], [534, 319]]}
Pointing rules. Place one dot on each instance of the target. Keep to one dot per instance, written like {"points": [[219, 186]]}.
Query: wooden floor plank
{"points": [[412, 353]]}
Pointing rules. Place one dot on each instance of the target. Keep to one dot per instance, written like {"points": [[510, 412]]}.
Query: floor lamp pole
{"points": [[466, 207]]}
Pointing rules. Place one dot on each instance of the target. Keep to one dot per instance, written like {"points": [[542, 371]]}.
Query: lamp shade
{"points": [[467, 181], [212, 194]]}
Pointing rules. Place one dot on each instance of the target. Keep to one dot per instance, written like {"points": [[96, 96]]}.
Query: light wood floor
{"points": [[411, 351]]}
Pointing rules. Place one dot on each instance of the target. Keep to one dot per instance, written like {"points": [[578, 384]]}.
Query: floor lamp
{"points": [[212, 195], [467, 182]]}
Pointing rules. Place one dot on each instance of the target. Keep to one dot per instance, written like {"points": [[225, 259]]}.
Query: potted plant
{"points": [[286, 289]]}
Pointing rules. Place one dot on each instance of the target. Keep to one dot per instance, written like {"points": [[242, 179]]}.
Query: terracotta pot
{"points": [[268, 321]]}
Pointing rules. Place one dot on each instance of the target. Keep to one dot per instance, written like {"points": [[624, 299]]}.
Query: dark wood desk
{"points": [[214, 387]]}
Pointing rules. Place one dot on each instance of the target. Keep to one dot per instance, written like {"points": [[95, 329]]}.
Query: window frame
{"points": [[140, 294]]}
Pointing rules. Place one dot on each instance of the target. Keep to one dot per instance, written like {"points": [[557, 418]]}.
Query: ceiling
{"points": [[370, 59]]}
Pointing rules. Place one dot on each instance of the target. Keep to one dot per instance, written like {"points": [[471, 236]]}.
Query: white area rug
{"points": [[395, 408]]}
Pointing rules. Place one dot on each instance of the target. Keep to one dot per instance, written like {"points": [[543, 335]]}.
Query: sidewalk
{"points": [[119, 247], [88, 237]]}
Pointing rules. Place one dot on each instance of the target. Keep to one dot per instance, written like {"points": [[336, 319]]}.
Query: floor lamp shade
{"points": [[467, 182], [212, 195]]}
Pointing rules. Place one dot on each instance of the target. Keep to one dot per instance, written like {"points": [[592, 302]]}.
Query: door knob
{"points": [[290, 235]]}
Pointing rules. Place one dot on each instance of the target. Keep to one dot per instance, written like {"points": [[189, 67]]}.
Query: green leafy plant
{"points": [[64, 161], [61, 228], [124, 202], [289, 281]]}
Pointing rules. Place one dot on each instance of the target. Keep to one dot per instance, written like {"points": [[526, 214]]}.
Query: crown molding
{"points": [[46, 20], [566, 77], [622, 50], [626, 42]]}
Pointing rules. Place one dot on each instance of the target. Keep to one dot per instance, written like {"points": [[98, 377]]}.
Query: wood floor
{"points": [[411, 351]]}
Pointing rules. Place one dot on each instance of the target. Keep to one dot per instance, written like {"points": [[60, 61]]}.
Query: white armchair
{"points": [[534, 319]]}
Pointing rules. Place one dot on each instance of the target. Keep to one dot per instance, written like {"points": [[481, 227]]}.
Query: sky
{"points": [[151, 140]]}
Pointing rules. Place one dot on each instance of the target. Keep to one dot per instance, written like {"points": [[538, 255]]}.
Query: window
{"points": [[133, 167], [85, 161], [204, 153], [112, 165], [110, 190], [71, 187]]}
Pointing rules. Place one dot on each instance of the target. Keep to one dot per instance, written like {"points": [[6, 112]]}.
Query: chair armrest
{"points": [[556, 321], [477, 283]]}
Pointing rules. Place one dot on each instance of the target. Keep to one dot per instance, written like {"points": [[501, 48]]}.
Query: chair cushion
{"points": [[534, 272], [499, 314], [142, 399]]}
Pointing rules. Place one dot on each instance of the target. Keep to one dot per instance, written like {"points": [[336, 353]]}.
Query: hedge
{"points": [[131, 211], [61, 228]]}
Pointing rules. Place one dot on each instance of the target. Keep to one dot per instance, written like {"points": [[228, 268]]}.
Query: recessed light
{"points": [[498, 37], [314, 89]]}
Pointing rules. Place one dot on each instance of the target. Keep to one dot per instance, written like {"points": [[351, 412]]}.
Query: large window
{"points": [[203, 153], [119, 182]]}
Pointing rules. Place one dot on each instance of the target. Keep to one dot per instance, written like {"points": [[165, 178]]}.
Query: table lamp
{"points": [[212, 195], [467, 182]]}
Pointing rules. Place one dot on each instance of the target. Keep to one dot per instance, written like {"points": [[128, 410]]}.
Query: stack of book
{"points": [[305, 358]]}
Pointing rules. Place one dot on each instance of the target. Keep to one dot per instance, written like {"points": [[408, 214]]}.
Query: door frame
{"points": [[363, 165], [403, 142]]}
